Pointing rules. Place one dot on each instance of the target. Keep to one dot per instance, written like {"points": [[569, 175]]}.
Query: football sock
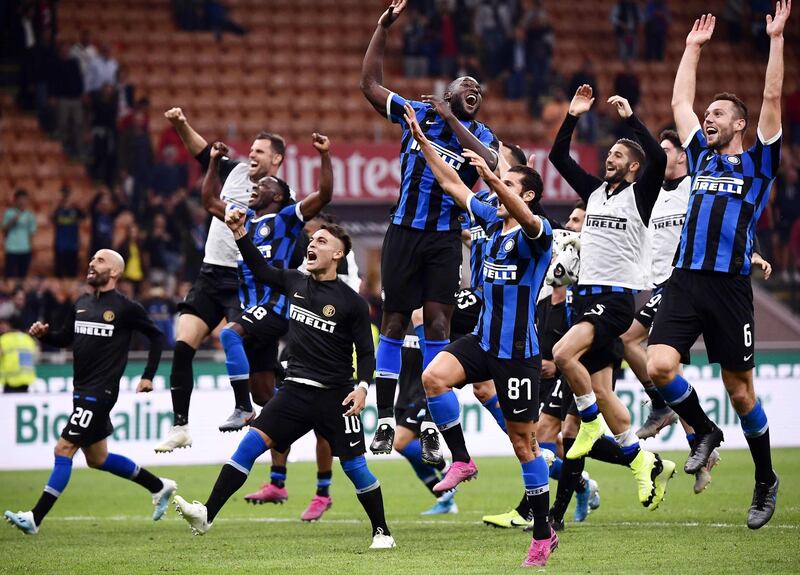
{"points": [[682, 398], [493, 407], [59, 478], [420, 331], [446, 413], [571, 471], [629, 443], [277, 475], [181, 381], [555, 468], [372, 502], [431, 349], [324, 480], [234, 473], [656, 401], [535, 476], [756, 431], [388, 360], [524, 507], [426, 473], [608, 450], [238, 367], [587, 407], [123, 467]]}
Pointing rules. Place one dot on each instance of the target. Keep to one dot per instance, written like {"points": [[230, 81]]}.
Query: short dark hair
{"points": [[737, 103], [326, 217], [21, 193], [277, 142], [531, 180], [517, 153], [580, 205], [339, 232], [285, 190], [672, 137], [635, 149]]}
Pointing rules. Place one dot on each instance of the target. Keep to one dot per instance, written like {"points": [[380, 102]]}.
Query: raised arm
{"points": [[262, 271], [686, 77], [769, 122], [311, 205], [446, 176], [579, 179], [193, 141], [516, 206], [209, 192], [372, 68]]}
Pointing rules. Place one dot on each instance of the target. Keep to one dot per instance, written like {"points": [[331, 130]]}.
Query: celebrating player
{"points": [[421, 259], [505, 347], [215, 294], [613, 240], [709, 291], [327, 319], [99, 328]]}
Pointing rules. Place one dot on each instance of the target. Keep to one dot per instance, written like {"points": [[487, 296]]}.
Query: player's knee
{"points": [[95, 461], [661, 370], [743, 399], [561, 355], [433, 381], [436, 327], [62, 450], [522, 446], [260, 396]]}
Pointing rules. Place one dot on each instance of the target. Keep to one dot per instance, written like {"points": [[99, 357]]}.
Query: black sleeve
{"points": [[64, 336], [226, 165], [553, 330], [299, 252], [649, 184], [262, 271], [579, 179], [141, 322], [756, 245], [362, 337]]}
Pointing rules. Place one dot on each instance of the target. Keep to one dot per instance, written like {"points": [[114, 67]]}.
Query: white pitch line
{"points": [[586, 525]]}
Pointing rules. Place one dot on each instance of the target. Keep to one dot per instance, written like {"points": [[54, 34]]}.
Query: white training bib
{"points": [[666, 223], [221, 248]]}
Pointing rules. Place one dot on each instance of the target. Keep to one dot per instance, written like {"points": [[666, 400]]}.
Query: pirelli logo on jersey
{"points": [[609, 222], [309, 318], [94, 328], [450, 158], [673, 221], [724, 184], [501, 272], [477, 233]]}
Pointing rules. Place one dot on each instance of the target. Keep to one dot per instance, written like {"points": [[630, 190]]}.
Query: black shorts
{"points": [[411, 415], [611, 315], [300, 408], [552, 396], [419, 266], [719, 306], [214, 295], [263, 329], [89, 422], [466, 313], [516, 380], [646, 313]]}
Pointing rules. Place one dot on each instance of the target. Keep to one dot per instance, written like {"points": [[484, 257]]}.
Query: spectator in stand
{"points": [[167, 174], [733, 15], [793, 111], [189, 14], [126, 94], [66, 219], [66, 87], [161, 249], [758, 24], [195, 244], [162, 310], [625, 19], [19, 225], [588, 123], [448, 36], [136, 154], [518, 64], [104, 134], [103, 210], [553, 113], [219, 22], [102, 69], [540, 37], [128, 243], [415, 65], [492, 23], [656, 23], [468, 66], [18, 353], [626, 84], [24, 309], [26, 40], [45, 60], [786, 215], [84, 52], [169, 137]]}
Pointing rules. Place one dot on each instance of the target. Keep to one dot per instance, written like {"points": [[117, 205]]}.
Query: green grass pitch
{"points": [[101, 525]]}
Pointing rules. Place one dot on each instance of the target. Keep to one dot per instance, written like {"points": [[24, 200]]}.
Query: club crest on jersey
{"points": [[264, 231], [733, 160], [328, 311], [108, 315], [453, 160], [725, 184], [508, 245], [492, 271]]}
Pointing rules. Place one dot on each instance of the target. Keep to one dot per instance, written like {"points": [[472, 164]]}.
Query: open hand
{"points": [[358, 398], [623, 106], [479, 163], [766, 267], [776, 25], [582, 100], [440, 106], [392, 13], [702, 30]]}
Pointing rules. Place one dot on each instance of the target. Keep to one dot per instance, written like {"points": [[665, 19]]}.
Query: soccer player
{"points": [[504, 347], [215, 294], [327, 319], [709, 291], [99, 328], [613, 239], [421, 259]]}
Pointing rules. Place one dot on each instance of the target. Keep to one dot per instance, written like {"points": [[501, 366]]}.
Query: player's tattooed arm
{"points": [[769, 121], [446, 176], [466, 138], [517, 206], [683, 90], [212, 183], [372, 68], [314, 203]]}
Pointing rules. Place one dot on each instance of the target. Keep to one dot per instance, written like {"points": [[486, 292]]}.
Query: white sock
{"points": [[426, 425], [626, 438], [584, 402], [386, 420]]}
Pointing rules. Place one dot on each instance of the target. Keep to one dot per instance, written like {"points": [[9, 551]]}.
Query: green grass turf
{"points": [[102, 525]]}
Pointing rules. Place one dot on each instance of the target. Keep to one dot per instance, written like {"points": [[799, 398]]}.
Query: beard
{"points": [[100, 279], [616, 177], [457, 107], [723, 139]]}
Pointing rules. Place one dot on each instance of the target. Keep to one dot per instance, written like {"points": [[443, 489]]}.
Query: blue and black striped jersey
{"points": [[514, 267], [728, 194], [477, 245], [422, 204], [275, 236]]}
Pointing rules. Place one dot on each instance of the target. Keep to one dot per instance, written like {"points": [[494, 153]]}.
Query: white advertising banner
{"points": [[32, 423]]}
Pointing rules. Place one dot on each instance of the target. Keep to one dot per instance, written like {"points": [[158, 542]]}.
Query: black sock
{"points": [[656, 401], [571, 470], [454, 437], [277, 474], [147, 480], [241, 393], [440, 466], [324, 483], [430, 483], [762, 457], [372, 502], [181, 381], [692, 413], [43, 507], [607, 450], [539, 504], [384, 395], [230, 480], [524, 507]]}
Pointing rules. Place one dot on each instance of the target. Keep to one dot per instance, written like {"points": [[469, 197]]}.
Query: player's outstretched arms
{"points": [[314, 203], [466, 138], [372, 68], [193, 141], [769, 121], [686, 78], [515, 205], [262, 271], [209, 192], [446, 176]]}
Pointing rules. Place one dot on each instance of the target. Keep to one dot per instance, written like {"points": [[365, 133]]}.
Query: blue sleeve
{"points": [[395, 108], [488, 139], [766, 154], [543, 241], [695, 146], [481, 213]]}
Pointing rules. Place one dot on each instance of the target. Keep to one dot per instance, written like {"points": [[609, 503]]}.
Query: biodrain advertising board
{"points": [[32, 422]]}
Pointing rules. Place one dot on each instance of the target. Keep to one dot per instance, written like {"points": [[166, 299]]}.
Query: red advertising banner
{"points": [[370, 173]]}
